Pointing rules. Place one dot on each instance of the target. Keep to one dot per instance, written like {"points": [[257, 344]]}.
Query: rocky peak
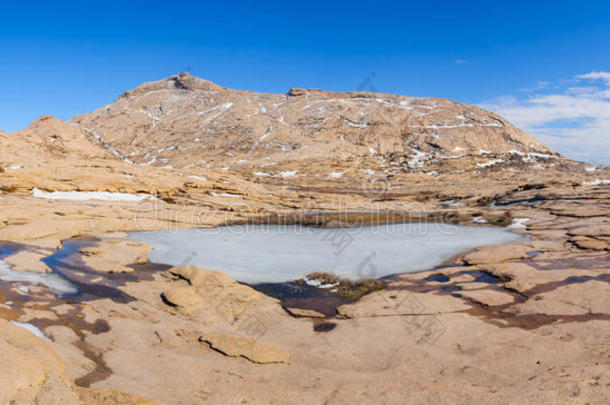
{"points": [[42, 119], [182, 81]]}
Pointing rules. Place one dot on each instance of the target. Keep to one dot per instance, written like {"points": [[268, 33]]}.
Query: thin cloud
{"points": [[539, 86], [462, 62], [574, 120], [596, 76]]}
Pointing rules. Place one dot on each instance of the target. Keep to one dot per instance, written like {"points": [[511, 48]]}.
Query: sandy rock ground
{"points": [[527, 322], [522, 323]]}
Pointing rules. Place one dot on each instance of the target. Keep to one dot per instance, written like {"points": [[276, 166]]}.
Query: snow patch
{"points": [[318, 283], [198, 178], [455, 126], [33, 329], [166, 149], [595, 182], [518, 223], [288, 173], [214, 194], [531, 156], [417, 158], [490, 163], [90, 195], [453, 203], [57, 284]]}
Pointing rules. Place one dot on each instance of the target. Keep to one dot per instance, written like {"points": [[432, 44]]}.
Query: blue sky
{"points": [[526, 59]]}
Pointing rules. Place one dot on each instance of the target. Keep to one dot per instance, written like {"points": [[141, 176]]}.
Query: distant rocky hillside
{"points": [[187, 122], [48, 138]]}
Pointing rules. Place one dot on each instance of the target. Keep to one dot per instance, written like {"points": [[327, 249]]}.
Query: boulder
{"points": [[209, 289], [184, 297]]}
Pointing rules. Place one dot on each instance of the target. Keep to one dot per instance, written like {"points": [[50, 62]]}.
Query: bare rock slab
{"points": [[239, 346], [497, 254], [28, 261], [401, 303], [114, 256], [574, 299]]}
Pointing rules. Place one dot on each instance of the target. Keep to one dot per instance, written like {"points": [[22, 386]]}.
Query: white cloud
{"points": [[596, 76], [461, 62], [574, 120]]}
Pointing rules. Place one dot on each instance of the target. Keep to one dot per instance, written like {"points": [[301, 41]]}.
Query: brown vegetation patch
{"points": [[353, 289]]}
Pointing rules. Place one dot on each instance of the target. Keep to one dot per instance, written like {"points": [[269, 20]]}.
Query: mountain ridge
{"points": [[183, 121]]}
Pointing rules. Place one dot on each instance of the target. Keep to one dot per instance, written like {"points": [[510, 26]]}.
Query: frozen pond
{"points": [[277, 253]]}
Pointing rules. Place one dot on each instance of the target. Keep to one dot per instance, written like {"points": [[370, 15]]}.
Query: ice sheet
{"points": [[277, 253], [57, 284], [31, 328]]}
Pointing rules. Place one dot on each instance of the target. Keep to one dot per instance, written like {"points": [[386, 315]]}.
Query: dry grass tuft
{"points": [[323, 277], [353, 289]]}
